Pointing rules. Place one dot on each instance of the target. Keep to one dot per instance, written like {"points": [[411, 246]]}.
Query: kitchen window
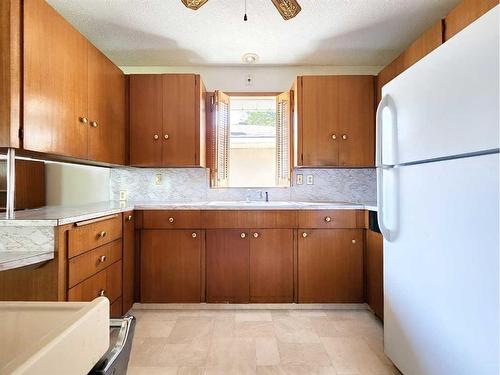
{"points": [[249, 140]]}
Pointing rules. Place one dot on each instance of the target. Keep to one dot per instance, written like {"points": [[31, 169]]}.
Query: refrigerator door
{"points": [[448, 102], [441, 269]]}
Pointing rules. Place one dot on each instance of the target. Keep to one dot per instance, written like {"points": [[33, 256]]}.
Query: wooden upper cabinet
{"points": [[318, 121], [167, 121], [335, 121], [356, 121], [106, 109], [54, 84], [464, 14]]}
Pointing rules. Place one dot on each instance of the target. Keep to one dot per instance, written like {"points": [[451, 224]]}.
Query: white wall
{"points": [[73, 184], [265, 78]]}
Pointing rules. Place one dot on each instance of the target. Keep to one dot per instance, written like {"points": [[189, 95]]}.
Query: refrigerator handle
{"points": [[386, 102]]}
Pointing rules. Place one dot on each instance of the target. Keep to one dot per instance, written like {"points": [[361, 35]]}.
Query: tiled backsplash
{"points": [[192, 184]]}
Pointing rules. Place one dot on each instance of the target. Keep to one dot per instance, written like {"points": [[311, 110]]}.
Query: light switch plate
{"points": [[310, 179], [123, 195], [299, 179], [158, 179]]}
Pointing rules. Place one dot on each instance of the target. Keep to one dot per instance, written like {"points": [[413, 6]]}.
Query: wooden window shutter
{"points": [[219, 141], [284, 110]]}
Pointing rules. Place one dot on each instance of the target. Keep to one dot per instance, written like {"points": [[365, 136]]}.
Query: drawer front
{"points": [[171, 219], [106, 283], [90, 234], [262, 219], [330, 219], [91, 262]]}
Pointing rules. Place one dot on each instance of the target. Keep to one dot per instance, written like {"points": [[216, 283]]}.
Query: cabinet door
{"points": [[170, 266], [128, 259], [318, 129], [146, 106], [374, 272], [180, 95], [330, 265], [271, 265], [54, 83], [228, 265], [356, 121], [106, 109]]}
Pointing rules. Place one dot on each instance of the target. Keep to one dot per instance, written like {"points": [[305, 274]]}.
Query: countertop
{"points": [[60, 215], [16, 259]]}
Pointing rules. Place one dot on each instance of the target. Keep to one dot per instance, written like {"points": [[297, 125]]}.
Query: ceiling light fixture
{"points": [[194, 4], [250, 58], [287, 8]]}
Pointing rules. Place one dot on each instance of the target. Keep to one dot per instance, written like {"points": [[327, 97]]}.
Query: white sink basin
{"points": [[53, 337]]}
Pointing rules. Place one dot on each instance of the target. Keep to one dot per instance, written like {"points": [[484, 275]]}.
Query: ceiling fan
{"points": [[287, 8]]}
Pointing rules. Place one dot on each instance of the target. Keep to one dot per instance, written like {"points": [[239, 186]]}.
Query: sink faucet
{"points": [[267, 196], [248, 195]]}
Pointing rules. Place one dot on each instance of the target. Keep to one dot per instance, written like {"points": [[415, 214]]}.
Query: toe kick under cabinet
{"points": [[251, 256]]}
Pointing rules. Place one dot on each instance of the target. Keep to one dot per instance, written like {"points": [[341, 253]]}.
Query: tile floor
{"points": [[258, 342]]}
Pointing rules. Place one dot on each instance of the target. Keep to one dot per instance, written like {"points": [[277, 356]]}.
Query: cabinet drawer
{"points": [[108, 283], [171, 219], [262, 219], [91, 262], [87, 235], [329, 219]]}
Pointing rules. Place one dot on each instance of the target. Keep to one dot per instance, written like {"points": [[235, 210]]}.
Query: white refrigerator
{"points": [[438, 198]]}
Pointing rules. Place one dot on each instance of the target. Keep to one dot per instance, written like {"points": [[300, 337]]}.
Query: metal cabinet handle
{"points": [[194, 235], [353, 241], [243, 235], [334, 136], [102, 234], [328, 219], [84, 120], [101, 293], [156, 137], [304, 234], [94, 124], [102, 258], [256, 235], [166, 136], [171, 219], [344, 136], [129, 218]]}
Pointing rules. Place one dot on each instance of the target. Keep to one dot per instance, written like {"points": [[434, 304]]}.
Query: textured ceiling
{"points": [[326, 32]]}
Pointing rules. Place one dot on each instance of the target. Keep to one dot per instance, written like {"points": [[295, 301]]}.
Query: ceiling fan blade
{"points": [[194, 4], [287, 8]]}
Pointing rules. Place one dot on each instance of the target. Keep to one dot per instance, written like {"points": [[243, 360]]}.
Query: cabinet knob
{"points": [[328, 219], [353, 241], [194, 235], [102, 234], [256, 235], [94, 124], [304, 234], [243, 235], [344, 136], [171, 219], [102, 258], [334, 136], [84, 120], [156, 137], [101, 292], [166, 136], [129, 218]]}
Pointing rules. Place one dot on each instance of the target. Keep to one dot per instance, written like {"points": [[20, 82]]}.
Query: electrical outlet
{"points": [[123, 195], [158, 179], [310, 179], [299, 179]]}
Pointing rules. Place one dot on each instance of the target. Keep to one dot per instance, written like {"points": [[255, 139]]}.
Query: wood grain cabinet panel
{"points": [[54, 84], [227, 265], [271, 265], [106, 109], [171, 266], [234, 219], [374, 272], [115, 309], [330, 266], [128, 259], [171, 219], [329, 219], [464, 14]]}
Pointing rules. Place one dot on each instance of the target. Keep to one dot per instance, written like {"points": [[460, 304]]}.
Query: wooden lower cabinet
{"points": [[128, 260], [115, 309], [374, 272], [228, 260], [271, 265], [330, 266], [171, 265]]}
